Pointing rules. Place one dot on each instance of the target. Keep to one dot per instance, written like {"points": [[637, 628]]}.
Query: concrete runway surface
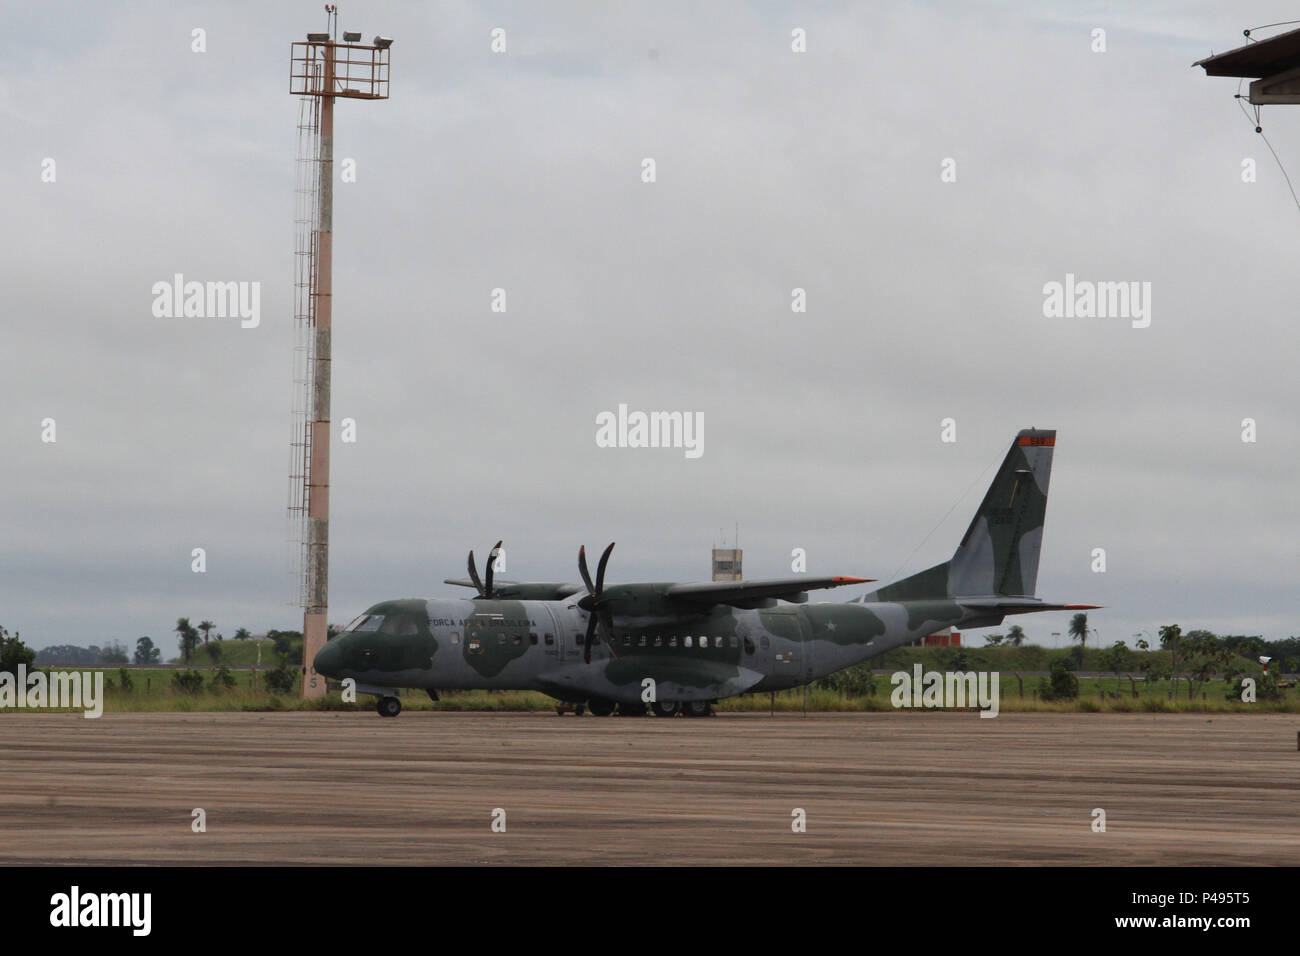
{"points": [[877, 789]]}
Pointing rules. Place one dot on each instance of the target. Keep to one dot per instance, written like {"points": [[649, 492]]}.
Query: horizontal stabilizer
{"points": [[1001, 605]]}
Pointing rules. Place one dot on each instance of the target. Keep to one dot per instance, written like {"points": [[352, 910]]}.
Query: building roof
{"points": [[1265, 58]]}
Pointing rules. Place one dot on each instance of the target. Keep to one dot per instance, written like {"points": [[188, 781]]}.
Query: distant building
{"points": [[945, 638], [727, 564]]}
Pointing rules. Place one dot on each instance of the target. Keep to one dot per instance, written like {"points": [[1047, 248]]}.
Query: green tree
{"points": [[14, 652], [190, 682], [145, 652], [1015, 635], [206, 627], [1171, 636], [994, 640], [114, 652], [124, 678], [1117, 658], [281, 679], [242, 634], [213, 651], [189, 637], [223, 679], [1205, 654], [1060, 684], [1079, 631]]}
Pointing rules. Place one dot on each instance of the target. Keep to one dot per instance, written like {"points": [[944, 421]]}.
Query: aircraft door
{"points": [[553, 633], [807, 650]]}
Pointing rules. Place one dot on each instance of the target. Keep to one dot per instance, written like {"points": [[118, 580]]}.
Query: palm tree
{"points": [[1171, 636], [1079, 630], [1015, 635], [205, 627], [189, 636], [242, 634]]}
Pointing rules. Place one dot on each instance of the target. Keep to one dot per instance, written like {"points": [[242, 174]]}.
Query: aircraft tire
{"points": [[699, 708], [389, 707], [600, 707], [666, 708]]}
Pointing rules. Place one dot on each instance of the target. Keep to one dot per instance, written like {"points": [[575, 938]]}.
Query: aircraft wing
{"points": [[525, 590], [748, 594]]}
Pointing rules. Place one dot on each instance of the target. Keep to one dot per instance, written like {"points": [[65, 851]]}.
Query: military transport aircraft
{"points": [[680, 647]]}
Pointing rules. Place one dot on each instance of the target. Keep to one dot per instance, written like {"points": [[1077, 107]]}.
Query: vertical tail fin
{"points": [[998, 555]]}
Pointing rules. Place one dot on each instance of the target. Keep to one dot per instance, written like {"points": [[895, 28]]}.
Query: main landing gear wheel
{"points": [[389, 707], [578, 709], [600, 708], [666, 708], [631, 710], [699, 708]]}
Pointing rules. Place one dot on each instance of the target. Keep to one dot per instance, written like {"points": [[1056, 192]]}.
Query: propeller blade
{"points": [[582, 569], [473, 575], [591, 632], [597, 616], [492, 560], [600, 569]]}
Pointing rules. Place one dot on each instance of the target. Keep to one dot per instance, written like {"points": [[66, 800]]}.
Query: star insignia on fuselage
{"points": [[830, 625]]}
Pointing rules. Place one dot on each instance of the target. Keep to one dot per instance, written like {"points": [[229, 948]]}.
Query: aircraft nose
{"points": [[329, 659]]}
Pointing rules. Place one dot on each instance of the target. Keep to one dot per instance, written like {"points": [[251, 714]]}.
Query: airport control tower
{"points": [[727, 564]]}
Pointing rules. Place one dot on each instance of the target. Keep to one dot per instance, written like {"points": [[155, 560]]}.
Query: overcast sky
{"points": [[522, 170]]}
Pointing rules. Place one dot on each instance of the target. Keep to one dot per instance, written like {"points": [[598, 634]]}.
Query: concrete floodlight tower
{"points": [[321, 71]]}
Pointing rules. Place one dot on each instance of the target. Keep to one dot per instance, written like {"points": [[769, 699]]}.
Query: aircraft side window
{"points": [[532, 638], [577, 640], [672, 640], [519, 639], [627, 640], [765, 642], [455, 638], [749, 646], [735, 641], [687, 640], [550, 639], [659, 641], [704, 641], [371, 623], [501, 638]]}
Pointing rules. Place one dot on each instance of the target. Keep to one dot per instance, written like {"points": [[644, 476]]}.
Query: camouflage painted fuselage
{"points": [[702, 642], [537, 645]]}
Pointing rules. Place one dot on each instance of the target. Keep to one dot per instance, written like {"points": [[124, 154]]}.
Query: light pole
{"points": [[322, 70]]}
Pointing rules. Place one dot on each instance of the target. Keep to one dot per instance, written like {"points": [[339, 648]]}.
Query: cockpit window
{"points": [[399, 625], [366, 622]]}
